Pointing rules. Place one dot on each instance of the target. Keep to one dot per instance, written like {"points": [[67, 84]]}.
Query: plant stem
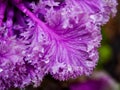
{"points": [[10, 14], [44, 27], [30, 14]]}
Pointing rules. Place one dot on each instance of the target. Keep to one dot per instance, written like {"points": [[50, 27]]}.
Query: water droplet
{"points": [[46, 61], [1, 69], [23, 52], [40, 55], [36, 48], [42, 50], [69, 68], [89, 63], [29, 55]]}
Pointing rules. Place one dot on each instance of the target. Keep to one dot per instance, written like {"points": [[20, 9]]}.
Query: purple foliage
{"points": [[99, 81], [60, 37]]}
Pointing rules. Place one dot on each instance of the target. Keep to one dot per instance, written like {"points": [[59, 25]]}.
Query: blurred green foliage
{"points": [[105, 51]]}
